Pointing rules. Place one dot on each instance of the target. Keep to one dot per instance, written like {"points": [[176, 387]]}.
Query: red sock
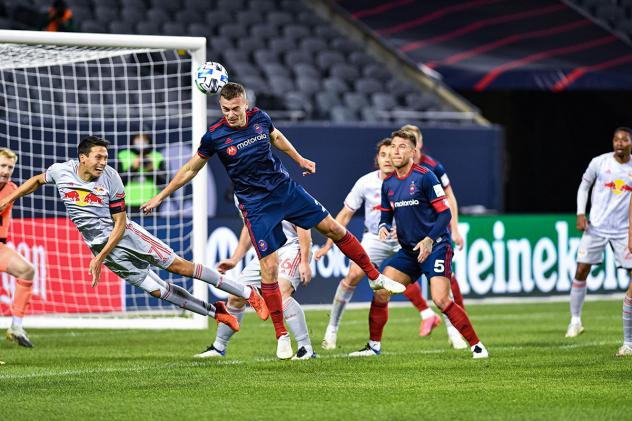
{"points": [[378, 316], [413, 293], [272, 296], [456, 291], [352, 248], [461, 322]]}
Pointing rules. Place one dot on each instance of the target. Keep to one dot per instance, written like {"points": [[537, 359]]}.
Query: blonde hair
{"points": [[414, 130], [8, 153]]}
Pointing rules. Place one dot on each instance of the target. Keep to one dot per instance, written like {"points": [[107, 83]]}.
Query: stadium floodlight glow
{"points": [[56, 88]]}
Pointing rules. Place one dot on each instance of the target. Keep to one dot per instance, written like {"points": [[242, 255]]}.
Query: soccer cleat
{"points": [[2, 363], [624, 351], [18, 335], [258, 304], [479, 351], [574, 330], [367, 351], [304, 354], [457, 341], [428, 324], [211, 352], [284, 347], [223, 316], [329, 341], [384, 282]]}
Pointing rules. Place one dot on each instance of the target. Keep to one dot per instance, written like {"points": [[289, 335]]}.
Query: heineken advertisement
{"points": [[527, 255], [515, 255]]}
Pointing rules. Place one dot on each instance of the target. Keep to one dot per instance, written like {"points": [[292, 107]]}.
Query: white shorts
{"points": [[289, 258], [592, 247], [377, 249], [134, 255]]}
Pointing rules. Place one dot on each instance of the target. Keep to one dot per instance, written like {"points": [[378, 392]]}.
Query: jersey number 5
{"points": [[439, 266]]}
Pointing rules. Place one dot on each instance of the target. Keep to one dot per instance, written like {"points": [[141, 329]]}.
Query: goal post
{"points": [[56, 88]]}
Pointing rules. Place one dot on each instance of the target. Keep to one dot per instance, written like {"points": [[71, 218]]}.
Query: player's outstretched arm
{"points": [[25, 189], [281, 142], [305, 245], [343, 217], [454, 222], [242, 248], [182, 177], [116, 235]]}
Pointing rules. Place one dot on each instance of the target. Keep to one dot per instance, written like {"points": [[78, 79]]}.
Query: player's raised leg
{"points": [[351, 247], [14, 264], [577, 298]]}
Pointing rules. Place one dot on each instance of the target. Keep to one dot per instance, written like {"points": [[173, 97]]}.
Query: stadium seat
{"points": [[262, 30], [280, 85], [306, 70], [344, 71], [295, 32], [232, 31], [344, 45], [195, 5], [250, 44], [219, 44], [298, 57], [216, 18], [376, 71], [105, 14], [169, 6], [275, 69], [93, 26], [281, 45], [249, 18], [230, 5], [420, 102], [188, 16], [234, 55], [118, 27], [326, 100], [148, 28], [368, 86], [262, 6], [360, 58], [383, 101], [298, 101], [131, 16], [313, 45], [256, 83], [325, 32], [263, 57], [308, 85], [335, 85], [279, 18], [355, 100], [326, 59], [375, 115], [310, 18], [176, 29], [157, 16], [81, 14], [199, 30], [132, 4], [245, 68], [401, 88], [342, 114]]}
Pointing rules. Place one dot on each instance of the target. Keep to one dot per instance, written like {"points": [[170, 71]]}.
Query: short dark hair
{"points": [[624, 129], [405, 134], [232, 90], [384, 142], [86, 144]]}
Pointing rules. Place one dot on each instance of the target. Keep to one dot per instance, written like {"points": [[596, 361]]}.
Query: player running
{"points": [[11, 261], [242, 139], [413, 198], [95, 201], [609, 175], [294, 269]]}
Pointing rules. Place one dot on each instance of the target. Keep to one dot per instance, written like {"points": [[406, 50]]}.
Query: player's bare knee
{"points": [[354, 276], [181, 267], [155, 293], [382, 296], [26, 272], [442, 301], [286, 288]]}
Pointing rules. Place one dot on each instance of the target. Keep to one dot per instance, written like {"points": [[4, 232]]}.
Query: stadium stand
{"points": [[275, 47]]}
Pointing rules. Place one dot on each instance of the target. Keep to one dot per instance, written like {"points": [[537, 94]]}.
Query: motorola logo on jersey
{"points": [[251, 140], [403, 203], [231, 150]]}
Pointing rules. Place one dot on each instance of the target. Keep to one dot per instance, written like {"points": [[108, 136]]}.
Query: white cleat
{"points": [[384, 282], [284, 347], [211, 352], [624, 351], [457, 341], [574, 330], [329, 341], [479, 351], [304, 354], [367, 351]]}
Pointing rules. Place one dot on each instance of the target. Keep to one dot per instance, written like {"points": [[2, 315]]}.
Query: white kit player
{"points": [[294, 270], [94, 197], [610, 176]]}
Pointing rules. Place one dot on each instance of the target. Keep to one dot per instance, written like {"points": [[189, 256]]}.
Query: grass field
{"points": [[533, 372]]}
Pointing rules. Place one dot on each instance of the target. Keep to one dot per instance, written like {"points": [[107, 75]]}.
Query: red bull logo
{"points": [[83, 197], [618, 186]]}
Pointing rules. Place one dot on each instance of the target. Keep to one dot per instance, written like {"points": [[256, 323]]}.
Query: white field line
{"points": [[322, 356]]}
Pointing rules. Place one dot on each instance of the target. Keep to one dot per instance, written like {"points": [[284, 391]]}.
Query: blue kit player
{"points": [[414, 199], [243, 140]]}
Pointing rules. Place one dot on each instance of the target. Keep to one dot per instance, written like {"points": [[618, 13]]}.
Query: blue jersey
{"points": [[436, 167], [246, 153], [414, 201]]}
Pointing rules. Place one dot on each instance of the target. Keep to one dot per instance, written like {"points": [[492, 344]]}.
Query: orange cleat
{"points": [[223, 316], [258, 304], [428, 324]]}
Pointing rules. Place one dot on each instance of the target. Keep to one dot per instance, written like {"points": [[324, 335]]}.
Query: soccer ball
{"points": [[210, 77]]}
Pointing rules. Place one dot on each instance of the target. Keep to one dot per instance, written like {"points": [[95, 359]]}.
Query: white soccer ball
{"points": [[210, 77]]}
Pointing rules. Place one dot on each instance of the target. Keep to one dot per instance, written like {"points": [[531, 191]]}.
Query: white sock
{"points": [[295, 318], [342, 297], [16, 322], [576, 320], [427, 313], [213, 277], [224, 333], [376, 345], [578, 295], [331, 330]]}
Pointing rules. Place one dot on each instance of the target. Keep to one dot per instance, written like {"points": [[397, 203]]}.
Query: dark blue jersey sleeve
{"points": [[434, 192], [386, 216], [206, 148], [267, 120]]}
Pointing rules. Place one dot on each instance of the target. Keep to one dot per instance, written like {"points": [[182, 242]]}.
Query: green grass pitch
{"points": [[533, 372]]}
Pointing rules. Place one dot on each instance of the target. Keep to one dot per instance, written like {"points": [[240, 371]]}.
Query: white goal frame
{"points": [[196, 46]]}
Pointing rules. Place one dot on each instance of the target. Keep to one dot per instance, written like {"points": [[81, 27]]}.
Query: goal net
{"points": [[136, 92]]}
